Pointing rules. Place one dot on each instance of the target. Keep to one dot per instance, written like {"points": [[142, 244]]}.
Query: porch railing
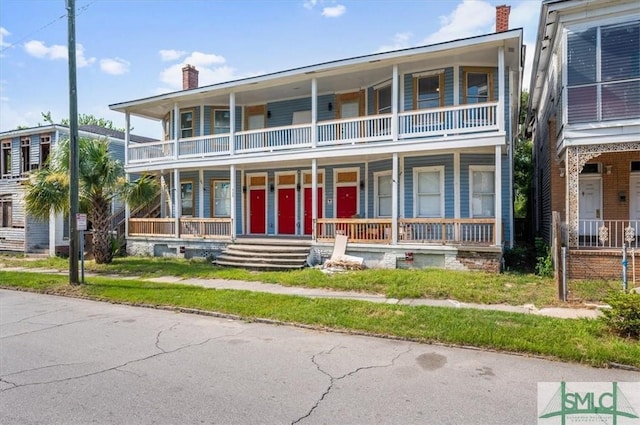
{"points": [[450, 120], [151, 227], [471, 231], [361, 129], [358, 230], [205, 227], [608, 233], [276, 138]]}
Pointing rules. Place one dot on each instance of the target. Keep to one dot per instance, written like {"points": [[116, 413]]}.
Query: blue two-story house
{"points": [[405, 152]]}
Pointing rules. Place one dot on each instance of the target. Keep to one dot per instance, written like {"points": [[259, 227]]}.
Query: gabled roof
{"points": [[465, 46]]}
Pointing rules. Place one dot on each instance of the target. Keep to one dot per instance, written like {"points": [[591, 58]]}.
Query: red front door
{"points": [[308, 225], [257, 211], [347, 201], [287, 211]]}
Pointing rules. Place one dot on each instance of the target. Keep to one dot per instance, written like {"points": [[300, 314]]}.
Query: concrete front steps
{"points": [[265, 254]]}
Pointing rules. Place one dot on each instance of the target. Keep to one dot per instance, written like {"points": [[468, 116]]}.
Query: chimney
{"points": [[502, 18], [189, 77]]}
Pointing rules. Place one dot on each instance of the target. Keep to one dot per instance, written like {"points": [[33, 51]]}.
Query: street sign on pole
{"points": [[81, 220]]}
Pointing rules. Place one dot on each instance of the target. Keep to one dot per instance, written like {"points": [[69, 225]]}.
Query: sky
{"points": [[131, 49]]}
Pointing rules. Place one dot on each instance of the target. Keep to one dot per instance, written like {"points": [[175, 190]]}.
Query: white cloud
{"points": [[3, 33], [334, 11], [115, 66], [471, 17], [212, 69], [171, 55], [400, 41], [39, 49], [310, 4]]}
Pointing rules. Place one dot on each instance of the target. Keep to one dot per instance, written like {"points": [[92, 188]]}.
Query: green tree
{"points": [[523, 165], [83, 119], [101, 179]]}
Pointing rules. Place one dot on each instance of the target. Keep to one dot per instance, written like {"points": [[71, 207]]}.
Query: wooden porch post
{"points": [[394, 105], [501, 94], [176, 129], [232, 213], [127, 136], [498, 196], [314, 113], [177, 201], [314, 197], [232, 123], [201, 193], [394, 200]]}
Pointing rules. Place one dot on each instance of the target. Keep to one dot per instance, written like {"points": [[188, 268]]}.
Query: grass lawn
{"points": [[476, 287], [584, 341]]}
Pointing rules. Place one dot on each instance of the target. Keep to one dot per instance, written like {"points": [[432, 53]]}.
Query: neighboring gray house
{"points": [[22, 151]]}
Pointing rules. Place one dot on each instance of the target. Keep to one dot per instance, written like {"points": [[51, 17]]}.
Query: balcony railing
{"points": [[608, 233], [438, 122], [358, 230], [464, 231], [219, 228]]}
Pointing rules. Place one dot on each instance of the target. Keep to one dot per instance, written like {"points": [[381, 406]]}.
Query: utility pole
{"points": [[74, 160]]}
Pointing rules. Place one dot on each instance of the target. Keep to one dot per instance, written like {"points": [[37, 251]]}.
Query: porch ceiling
{"points": [[339, 76]]}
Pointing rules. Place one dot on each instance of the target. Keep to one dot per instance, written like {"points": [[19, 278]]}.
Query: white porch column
{"points": [[232, 123], [163, 195], [202, 119], [314, 112], [498, 195], [177, 201], [127, 136], [394, 106], [176, 129], [394, 200], [456, 184], [232, 213], [501, 94], [201, 193], [314, 197]]}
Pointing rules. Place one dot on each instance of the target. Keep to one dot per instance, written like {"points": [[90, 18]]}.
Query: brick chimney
{"points": [[502, 18], [189, 77]]}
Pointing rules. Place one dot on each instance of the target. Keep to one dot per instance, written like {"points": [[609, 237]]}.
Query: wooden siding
{"points": [[282, 111], [429, 161]]}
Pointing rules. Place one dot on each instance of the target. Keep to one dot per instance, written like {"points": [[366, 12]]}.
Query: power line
{"points": [[80, 11]]}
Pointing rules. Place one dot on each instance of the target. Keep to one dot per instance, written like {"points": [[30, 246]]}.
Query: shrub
{"points": [[544, 263], [623, 318]]}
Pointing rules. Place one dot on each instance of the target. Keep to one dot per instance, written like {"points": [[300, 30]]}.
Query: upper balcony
{"points": [[430, 124], [454, 94]]}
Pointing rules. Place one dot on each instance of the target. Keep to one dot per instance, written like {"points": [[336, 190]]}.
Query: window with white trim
{"points": [[221, 198], [5, 158], [428, 189], [221, 121], [482, 187], [45, 149], [186, 124], [383, 100], [603, 73], [429, 91], [383, 184], [25, 155], [6, 209]]}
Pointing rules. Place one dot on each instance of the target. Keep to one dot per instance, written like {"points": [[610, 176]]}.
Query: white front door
{"points": [[634, 197], [590, 205]]}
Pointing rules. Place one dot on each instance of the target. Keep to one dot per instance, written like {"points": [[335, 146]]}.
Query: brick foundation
{"points": [[600, 264]]}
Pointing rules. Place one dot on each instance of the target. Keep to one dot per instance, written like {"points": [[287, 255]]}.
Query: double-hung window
{"points": [[383, 189], [5, 158], [25, 155], [429, 91], [6, 205], [221, 121], [478, 85], [187, 198], [603, 73], [429, 191], [186, 124], [383, 100], [221, 198], [482, 184], [45, 149]]}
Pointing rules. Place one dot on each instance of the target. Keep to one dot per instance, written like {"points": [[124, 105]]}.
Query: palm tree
{"points": [[100, 181]]}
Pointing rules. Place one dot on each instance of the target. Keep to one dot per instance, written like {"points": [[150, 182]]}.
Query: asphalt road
{"points": [[68, 361]]}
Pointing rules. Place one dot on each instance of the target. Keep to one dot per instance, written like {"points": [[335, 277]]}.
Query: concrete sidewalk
{"points": [[591, 311]]}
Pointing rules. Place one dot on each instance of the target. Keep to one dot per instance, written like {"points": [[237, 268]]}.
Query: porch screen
{"points": [[222, 199], [483, 193]]}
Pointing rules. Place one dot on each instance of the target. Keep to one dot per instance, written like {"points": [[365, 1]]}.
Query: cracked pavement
{"points": [[72, 361]]}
